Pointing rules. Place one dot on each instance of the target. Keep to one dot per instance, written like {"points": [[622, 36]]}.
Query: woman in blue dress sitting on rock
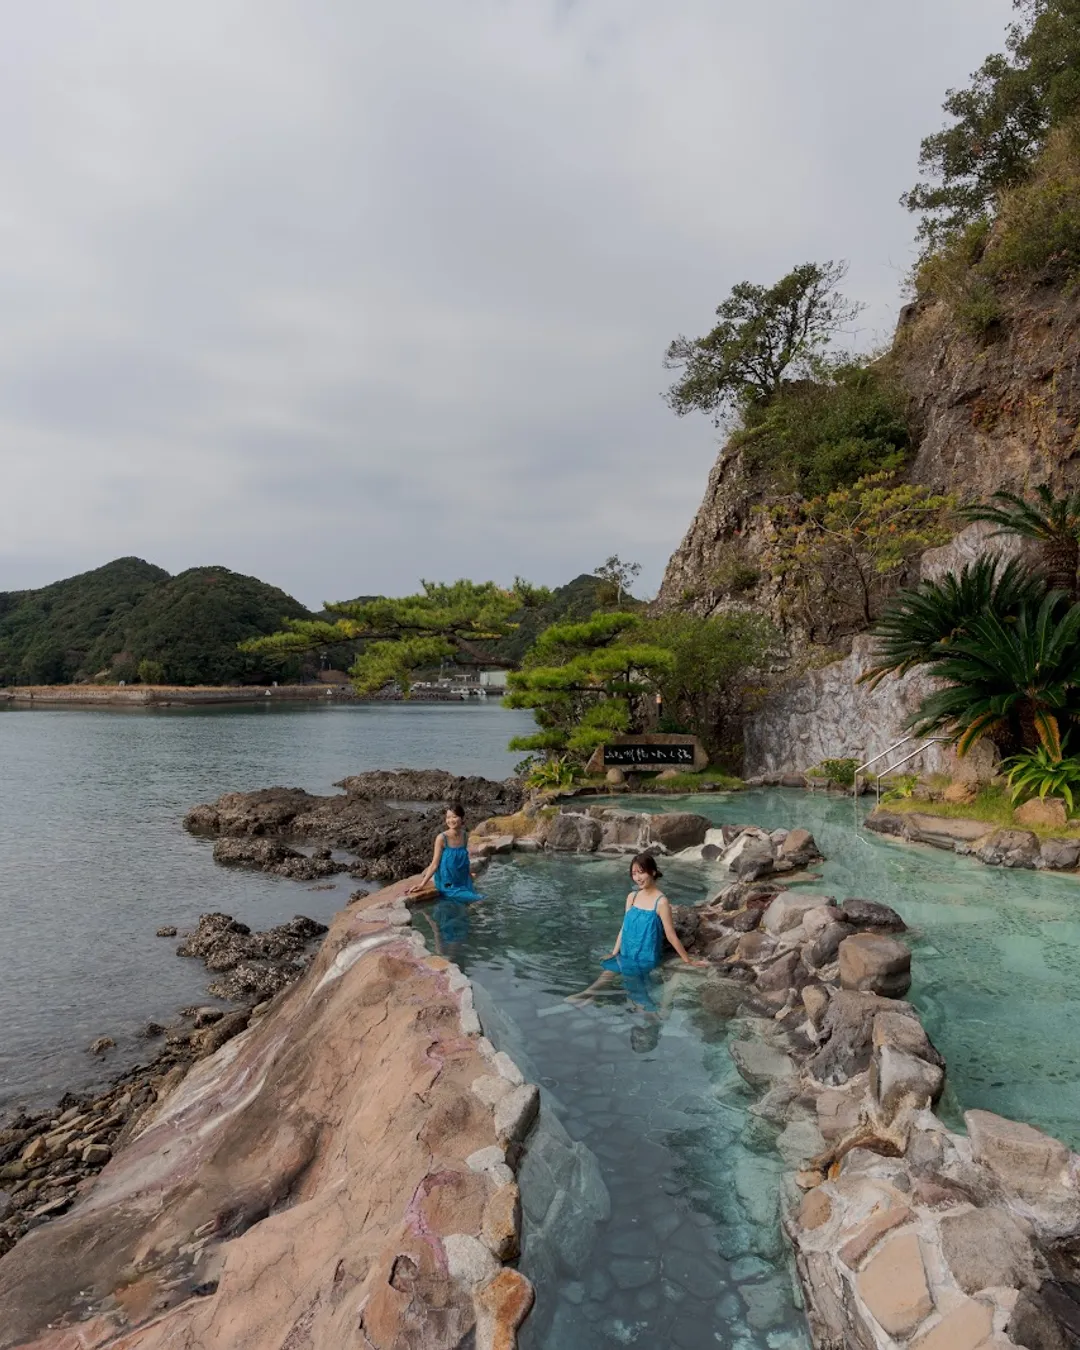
{"points": [[639, 948], [449, 874]]}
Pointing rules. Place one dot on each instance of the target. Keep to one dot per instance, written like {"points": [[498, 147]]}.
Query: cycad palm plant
{"points": [[1013, 679], [1054, 522], [918, 626]]}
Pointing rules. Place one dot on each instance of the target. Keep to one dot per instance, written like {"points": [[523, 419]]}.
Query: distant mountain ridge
{"points": [[105, 622]]}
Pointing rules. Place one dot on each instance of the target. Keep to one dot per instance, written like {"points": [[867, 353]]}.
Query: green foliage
{"points": [[556, 772], [1052, 521], [1001, 122], [1037, 773], [1013, 679], [818, 435], [47, 635], [1037, 233], [839, 557], [129, 616], [1035, 237], [714, 677], [457, 622], [150, 672], [579, 680], [919, 624], [840, 771], [191, 625], [764, 335], [578, 599], [901, 788]]}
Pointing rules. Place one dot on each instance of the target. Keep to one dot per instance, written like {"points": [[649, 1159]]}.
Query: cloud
{"points": [[347, 295]]}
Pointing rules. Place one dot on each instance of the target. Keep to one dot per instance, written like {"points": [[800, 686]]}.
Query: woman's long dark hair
{"points": [[647, 863]]}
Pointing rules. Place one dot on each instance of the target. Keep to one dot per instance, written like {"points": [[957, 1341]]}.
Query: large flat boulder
{"points": [[676, 830], [1026, 1161], [985, 1247], [574, 834], [876, 964], [788, 910]]}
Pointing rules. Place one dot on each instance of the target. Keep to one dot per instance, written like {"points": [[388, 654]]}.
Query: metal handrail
{"points": [[891, 748], [930, 740]]}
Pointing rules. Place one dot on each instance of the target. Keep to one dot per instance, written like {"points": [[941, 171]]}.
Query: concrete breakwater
{"points": [[194, 696], [341, 1173]]}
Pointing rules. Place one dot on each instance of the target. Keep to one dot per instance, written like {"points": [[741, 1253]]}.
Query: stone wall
{"points": [[827, 714]]}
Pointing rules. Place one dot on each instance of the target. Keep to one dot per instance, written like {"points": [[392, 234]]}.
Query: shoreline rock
{"points": [[387, 842], [398, 1215], [977, 839]]}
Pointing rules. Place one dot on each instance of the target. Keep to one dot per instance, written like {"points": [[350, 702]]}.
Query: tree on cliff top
{"points": [[765, 334], [1000, 121], [454, 622]]}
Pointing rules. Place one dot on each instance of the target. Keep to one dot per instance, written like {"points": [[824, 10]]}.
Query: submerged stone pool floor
{"points": [[651, 1189]]}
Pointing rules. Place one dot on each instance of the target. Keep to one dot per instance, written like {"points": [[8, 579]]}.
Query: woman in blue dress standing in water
{"points": [[449, 874], [639, 948]]}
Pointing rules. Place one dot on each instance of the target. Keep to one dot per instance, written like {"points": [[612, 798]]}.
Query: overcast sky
{"points": [[345, 294]]}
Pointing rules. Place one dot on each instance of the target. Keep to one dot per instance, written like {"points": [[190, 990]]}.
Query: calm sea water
{"points": [[94, 859]]}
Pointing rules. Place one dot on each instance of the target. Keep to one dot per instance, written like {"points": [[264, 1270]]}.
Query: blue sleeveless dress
{"points": [[640, 952], [452, 879]]}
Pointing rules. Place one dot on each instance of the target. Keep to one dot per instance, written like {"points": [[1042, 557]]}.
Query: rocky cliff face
{"points": [[826, 714], [1002, 413], [987, 414]]}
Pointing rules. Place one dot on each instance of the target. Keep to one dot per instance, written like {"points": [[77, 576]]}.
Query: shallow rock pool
{"points": [[651, 1188]]}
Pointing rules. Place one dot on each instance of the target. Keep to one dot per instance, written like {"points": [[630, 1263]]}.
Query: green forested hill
{"points": [[111, 619], [46, 635]]}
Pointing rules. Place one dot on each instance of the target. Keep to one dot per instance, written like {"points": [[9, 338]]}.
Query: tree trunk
{"points": [[1061, 559]]}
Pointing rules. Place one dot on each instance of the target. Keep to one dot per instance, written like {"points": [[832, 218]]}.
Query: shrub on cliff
{"points": [[839, 557], [764, 336], [818, 435]]}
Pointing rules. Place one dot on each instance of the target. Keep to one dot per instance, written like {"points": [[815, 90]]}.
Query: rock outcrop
{"points": [[905, 1234], [339, 1174], [479, 796], [387, 842]]}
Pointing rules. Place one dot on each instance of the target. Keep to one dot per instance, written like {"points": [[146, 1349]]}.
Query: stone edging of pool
{"points": [[344, 1165], [976, 839], [905, 1233]]}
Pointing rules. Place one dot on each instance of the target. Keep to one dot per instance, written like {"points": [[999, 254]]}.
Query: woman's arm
{"points": [[663, 908], [430, 870], [618, 941]]}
